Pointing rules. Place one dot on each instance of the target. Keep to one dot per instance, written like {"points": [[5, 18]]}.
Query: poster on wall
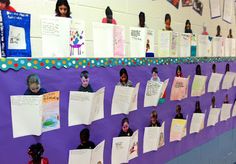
{"points": [[204, 48], [197, 122], [228, 10], [225, 113], [152, 93], [175, 3], [187, 3], [185, 45], [85, 107], [178, 129], [164, 43], [218, 47], [215, 8], [213, 117], [33, 115], [198, 6], [16, 32], [55, 36], [77, 39], [179, 89], [198, 85], [214, 82]]}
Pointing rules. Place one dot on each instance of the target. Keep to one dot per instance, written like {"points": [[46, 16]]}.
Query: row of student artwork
{"points": [[86, 106], [125, 148], [65, 37]]}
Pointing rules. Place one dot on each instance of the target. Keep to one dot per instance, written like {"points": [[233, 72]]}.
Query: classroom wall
{"points": [[125, 12]]}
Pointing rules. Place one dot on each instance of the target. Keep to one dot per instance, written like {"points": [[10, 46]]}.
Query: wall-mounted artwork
{"points": [[175, 3], [198, 6], [187, 3]]}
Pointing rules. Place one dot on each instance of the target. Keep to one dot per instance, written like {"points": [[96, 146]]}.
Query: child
{"points": [[155, 75], [125, 130], [109, 16], [36, 151], [154, 120], [84, 139], [62, 9], [213, 102], [188, 27], [214, 68], [230, 34], [204, 32], [124, 79], [168, 23], [34, 87], [197, 107], [5, 5], [218, 31], [85, 86], [179, 71], [226, 99], [227, 68], [142, 19], [198, 70], [178, 115]]}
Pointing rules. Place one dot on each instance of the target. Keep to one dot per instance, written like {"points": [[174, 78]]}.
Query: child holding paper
{"points": [[109, 16], [84, 139], [178, 115], [179, 71], [5, 5], [197, 107], [125, 130], [62, 9], [85, 86], [124, 79], [34, 87], [154, 120], [36, 151]]}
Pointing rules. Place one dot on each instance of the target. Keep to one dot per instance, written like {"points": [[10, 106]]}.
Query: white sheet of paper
{"points": [[97, 111], [133, 146], [103, 37], [81, 156], [120, 150], [151, 139], [119, 41], [152, 93], [228, 10], [97, 153], [185, 45], [138, 41], [134, 98], [80, 107], [77, 38], [197, 122], [234, 110], [26, 114], [225, 112], [215, 8], [55, 36], [218, 47], [165, 84], [228, 80], [151, 41], [16, 40], [199, 85], [164, 43], [204, 47], [162, 136], [213, 117], [175, 41], [214, 83], [233, 48]]}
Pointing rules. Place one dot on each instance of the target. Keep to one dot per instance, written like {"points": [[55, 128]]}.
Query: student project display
{"points": [[33, 115], [199, 85], [178, 129], [179, 89], [197, 123], [214, 83]]}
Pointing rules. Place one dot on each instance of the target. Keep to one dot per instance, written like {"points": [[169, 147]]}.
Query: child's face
{"points": [[123, 78], [178, 73], [34, 87], [153, 119], [154, 75], [125, 127], [85, 82], [63, 10], [2, 6], [168, 23], [177, 110]]}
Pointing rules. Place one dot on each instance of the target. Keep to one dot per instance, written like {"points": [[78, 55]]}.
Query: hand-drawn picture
{"points": [[16, 39], [76, 43], [175, 3], [186, 3], [198, 6]]}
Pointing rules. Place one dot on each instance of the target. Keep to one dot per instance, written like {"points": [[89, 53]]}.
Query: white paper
{"points": [[119, 41], [133, 146], [120, 150], [16, 40], [164, 86], [215, 8], [229, 47], [124, 99], [204, 48], [164, 43], [199, 85], [225, 112], [228, 80], [175, 44], [234, 110], [185, 45], [228, 10], [197, 122], [217, 47], [77, 39], [103, 36], [97, 154], [152, 93], [138, 41], [150, 40], [86, 107], [214, 83], [55, 36], [213, 117]]}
